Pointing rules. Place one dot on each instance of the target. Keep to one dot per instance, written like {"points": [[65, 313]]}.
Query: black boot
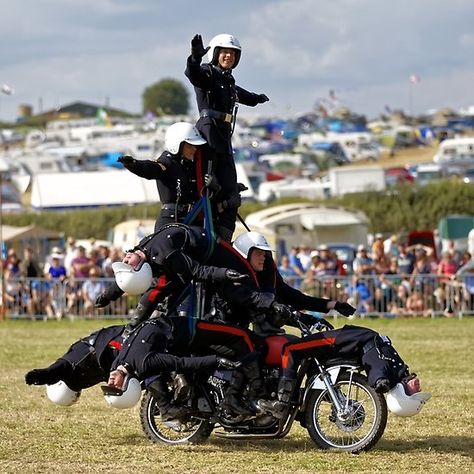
{"points": [[256, 390], [232, 405], [279, 408], [57, 371], [168, 410]]}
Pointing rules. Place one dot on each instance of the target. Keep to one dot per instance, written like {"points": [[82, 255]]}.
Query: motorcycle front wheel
{"points": [[189, 431], [358, 427]]}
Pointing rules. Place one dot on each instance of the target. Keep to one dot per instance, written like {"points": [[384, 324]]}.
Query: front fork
{"points": [[326, 380]]}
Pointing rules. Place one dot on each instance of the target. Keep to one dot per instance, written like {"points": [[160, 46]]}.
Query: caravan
{"points": [[455, 154]]}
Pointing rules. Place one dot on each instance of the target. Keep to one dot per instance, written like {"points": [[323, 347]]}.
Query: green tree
{"points": [[166, 97]]}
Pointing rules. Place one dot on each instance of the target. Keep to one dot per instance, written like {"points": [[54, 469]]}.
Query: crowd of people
{"points": [[387, 277], [65, 282]]}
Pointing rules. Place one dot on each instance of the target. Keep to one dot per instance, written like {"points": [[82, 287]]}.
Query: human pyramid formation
{"points": [[243, 285]]}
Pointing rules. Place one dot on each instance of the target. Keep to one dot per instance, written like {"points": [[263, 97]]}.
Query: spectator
{"points": [[358, 294], [399, 303], [13, 287], [363, 264], [91, 289], [421, 269], [405, 260], [466, 275], [390, 246], [80, 264], [304, 256], [57, 275], [115, 255], [70, 254], [296, 266], [379, 302], [378, 247], [415, 303], [40, 301], [30, 267], [327, 261], [288, 274]]}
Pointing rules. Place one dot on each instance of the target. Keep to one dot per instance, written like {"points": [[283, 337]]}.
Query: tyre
{"points": [[361, 424], [189, 431]]}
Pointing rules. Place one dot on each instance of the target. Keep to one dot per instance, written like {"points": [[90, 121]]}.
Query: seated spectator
{"points": [[91, 289], [358, 294], [399, 304], [379, 302], [80, 264], [40, 300], [415, 303]]}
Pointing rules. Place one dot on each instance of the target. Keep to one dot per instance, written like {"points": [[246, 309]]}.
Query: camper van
{"points": [[455, 154]]}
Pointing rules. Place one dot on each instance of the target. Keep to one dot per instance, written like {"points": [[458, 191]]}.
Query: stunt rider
{"points": [[217, 97], [176, 254], [90, 360], [385, 368], [180, 171], [86, 363], [147, 353]]}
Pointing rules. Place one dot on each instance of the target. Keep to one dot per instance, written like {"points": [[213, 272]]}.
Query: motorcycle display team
{"points": [[209, 347]]}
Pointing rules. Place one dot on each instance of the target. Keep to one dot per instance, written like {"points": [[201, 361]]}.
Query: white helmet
{"points": [[244, 242], [181, 132], [223, 41], [132, 282], [61, 394], [126, 398], [401, 404]]}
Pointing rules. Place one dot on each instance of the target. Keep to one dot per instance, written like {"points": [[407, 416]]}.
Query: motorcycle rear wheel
{"points": [[192, 431], [363, 425]]}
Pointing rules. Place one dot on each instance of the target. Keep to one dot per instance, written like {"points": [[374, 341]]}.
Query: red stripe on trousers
{"points": [[229, 330], [304, 345]]}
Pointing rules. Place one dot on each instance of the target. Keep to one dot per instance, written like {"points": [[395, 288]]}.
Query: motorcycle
{"points": [[332, 400]]}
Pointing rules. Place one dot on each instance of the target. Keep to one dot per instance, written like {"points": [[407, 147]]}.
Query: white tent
{"points": [[91, 189]]}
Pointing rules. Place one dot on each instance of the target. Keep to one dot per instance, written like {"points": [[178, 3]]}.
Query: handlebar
{"points": [[306, 327]]}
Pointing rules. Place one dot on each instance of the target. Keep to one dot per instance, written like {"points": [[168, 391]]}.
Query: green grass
{"points": [[37, 436]]}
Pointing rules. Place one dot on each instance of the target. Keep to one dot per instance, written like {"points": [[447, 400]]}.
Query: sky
{"points": [[54, 52]]}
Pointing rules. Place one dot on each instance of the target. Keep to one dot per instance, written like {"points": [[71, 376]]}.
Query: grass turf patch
{"points": [[37, 436]]}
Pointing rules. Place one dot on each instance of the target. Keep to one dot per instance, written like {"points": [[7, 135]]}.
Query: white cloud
{"points": [[65, 50]]}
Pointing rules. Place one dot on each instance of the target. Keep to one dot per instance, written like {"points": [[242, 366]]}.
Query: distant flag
{"points": [[332, 94], [7, 89], [414, 79], [388, 109]]}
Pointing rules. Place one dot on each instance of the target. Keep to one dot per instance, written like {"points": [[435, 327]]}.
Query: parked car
{"points": [[398, 175]]}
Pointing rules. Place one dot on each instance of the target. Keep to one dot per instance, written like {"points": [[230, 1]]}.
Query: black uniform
{"points": [[178, 254], [216, 96], [150, 349], [86, 363], [180, 182], [251, 300], [374, 351]]}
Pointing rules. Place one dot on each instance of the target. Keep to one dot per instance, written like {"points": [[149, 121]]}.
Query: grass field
{"points": [[37, 436]]}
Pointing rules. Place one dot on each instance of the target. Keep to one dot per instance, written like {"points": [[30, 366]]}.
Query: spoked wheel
{"points": [[189, 431], [360, 425]]}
